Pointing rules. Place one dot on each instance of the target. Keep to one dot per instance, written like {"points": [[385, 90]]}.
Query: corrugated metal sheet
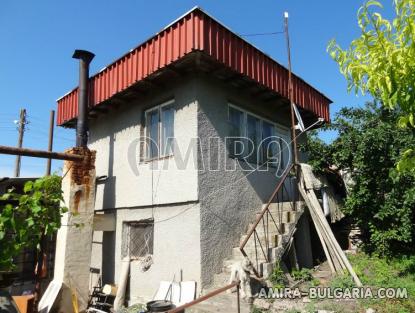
{"points": [[194, 31]]}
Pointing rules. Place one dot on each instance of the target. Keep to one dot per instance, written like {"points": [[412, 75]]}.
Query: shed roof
{"points": [[194, 31]]}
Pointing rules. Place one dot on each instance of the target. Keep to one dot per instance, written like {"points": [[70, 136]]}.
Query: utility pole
{"points": [[50, 142], [290, 90], [21, 129]]}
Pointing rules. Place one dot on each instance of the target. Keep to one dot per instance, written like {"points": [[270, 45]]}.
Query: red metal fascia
{"points": [[194, 31], [242, 57]]}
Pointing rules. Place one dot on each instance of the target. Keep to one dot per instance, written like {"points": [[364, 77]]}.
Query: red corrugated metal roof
{"points": [[195, 31]]}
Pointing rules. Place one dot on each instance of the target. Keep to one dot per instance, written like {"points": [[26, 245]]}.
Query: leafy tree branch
{"points": [[381, 62], [26, 217], [382, 200]]}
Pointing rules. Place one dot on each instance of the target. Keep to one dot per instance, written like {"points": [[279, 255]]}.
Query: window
{"points": [[270, 147], [160, 130], [236, 119], [253, 134], [284, 147], [137, 238], [257, 140]]}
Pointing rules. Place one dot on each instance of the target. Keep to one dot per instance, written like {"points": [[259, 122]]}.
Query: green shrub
{"points": [[382, 200], [305, 274], [277, 278], [25, 218], [257, 310], [342, 281]]}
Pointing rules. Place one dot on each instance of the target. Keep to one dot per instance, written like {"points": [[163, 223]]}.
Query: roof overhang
{"points": [[194, 40]]}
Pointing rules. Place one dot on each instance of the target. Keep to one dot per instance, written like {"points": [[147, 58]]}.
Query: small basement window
{"points": [[137, 238]]}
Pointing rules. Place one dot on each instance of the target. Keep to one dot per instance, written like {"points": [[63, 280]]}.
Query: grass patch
{"points": [[376, 272]]}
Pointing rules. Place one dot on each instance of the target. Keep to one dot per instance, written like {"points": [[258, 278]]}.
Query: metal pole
{"points": [[40, 153], [238, 300], [290, 90], [85, 57], [22, 123], [50, 141], [203, 298]]}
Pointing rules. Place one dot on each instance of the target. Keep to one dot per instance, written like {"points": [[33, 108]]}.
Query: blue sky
{"points": [[38, 39]]}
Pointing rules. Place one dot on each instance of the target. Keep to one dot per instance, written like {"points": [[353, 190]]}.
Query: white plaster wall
{"points": [[229, 199], [96, 256], [133, 183], [132, 191], [197, 240], [176, 248]]}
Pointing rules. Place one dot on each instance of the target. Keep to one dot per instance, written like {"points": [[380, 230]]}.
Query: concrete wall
{"points": [[136, 190], [200, 213], [229, 199], [176, 248], [115, 137]]}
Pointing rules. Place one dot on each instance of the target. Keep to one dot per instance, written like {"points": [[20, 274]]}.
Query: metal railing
{"points": [[265, 219], [280, 194], [211, 295]]}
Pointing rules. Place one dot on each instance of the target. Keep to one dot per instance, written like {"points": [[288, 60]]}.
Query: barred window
{"points": [[137, 238]]}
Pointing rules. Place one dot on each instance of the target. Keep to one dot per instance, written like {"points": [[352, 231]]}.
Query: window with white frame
{"points": [[160, 130], [257, 140]]}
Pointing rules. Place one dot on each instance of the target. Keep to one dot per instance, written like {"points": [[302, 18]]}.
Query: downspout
{"points": [[85, 58]]}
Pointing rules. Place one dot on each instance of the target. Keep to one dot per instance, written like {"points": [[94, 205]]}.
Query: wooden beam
{"points": [[40, 153], [104, 222], [320, 221]]}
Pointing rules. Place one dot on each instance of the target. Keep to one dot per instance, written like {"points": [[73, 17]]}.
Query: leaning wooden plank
{"points": [[326, 225], [320, 236], [339, 267], [333, 260], [326, 229], [337, 260]]}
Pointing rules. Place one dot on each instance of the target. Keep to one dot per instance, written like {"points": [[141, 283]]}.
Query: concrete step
{"points": [[222, 303], [253, 256], [272, 228], [286, 205], [267, 269], [250, 253], [280, 217], [227, 264], [220, 280], [277, 241], [274, 237], [274, 241], [275, 254]]}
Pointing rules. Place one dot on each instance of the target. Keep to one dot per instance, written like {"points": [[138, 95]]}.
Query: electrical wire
{"points": [[234, 182], [261, 34]]}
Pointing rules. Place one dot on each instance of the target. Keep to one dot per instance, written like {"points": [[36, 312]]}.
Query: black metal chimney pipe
{"points": [[85, 57]]}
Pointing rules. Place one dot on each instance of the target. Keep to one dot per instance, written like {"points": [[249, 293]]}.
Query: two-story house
{"points": [[166, 121]]}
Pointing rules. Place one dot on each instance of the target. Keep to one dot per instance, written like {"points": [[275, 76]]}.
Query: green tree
{"points": [[382, 201], [26, 217], [381, 62]]}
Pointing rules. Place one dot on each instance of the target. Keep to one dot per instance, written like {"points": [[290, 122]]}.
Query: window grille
{"points": [[137, 239]]}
